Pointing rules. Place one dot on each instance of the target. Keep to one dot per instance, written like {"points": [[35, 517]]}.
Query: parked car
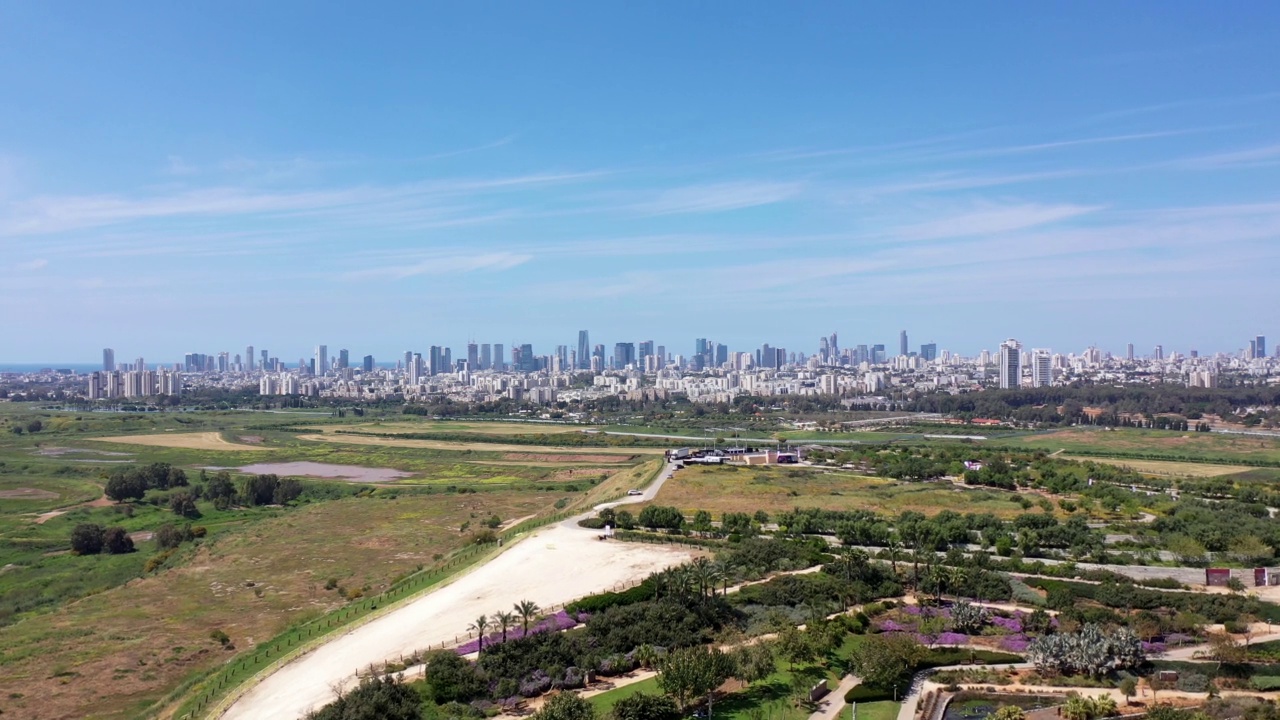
{"points": [[634, 492]]}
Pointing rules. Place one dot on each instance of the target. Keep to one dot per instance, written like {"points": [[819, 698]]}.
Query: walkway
{"points": [[830, 707]]}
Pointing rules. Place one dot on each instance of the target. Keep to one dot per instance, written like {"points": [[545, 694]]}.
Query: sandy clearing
{"points": [[551, 567], [103, 501], [188, 441], [474, 446]]}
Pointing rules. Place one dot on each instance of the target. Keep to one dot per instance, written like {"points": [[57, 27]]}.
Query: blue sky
{"points": [[180, 177]]}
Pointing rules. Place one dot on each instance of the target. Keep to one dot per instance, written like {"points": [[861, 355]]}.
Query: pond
{"points": [[976, 706]]}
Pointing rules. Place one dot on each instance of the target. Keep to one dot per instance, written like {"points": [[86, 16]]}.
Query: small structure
{"points": [[1266, 576], [1217, 577]]}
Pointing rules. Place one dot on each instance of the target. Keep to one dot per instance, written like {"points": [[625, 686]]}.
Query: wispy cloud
{"points": [[719, 197], [32, 265], [990, 220], [442, 265], [1252, 157]]}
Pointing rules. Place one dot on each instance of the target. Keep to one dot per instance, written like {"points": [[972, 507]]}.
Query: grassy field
{"points": [[452, 426], [111, 653], [189, 441], [1155, 445], [457, 446], [1164, 468], [747, 489]]}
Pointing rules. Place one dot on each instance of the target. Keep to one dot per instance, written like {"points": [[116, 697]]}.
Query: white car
{"points": [[634, 492]]}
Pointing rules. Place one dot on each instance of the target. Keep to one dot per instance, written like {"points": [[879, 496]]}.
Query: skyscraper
{"points": [[344, 358], [1158, 354], [367, 365], [624, 354], [902, 343], [1261, 341], [248, 359], [1041, 368], [646, 348], [1128, 352], [473, 356], [929, 352], [1010, 364], [322, 359], [584, 351], [108, 359], [498, 363], [486, 356], [722, 354]]}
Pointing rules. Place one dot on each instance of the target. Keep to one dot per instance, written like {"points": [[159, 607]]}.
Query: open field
{"points": [[453, 426], [534, 569], [474, 446], [1165, 468], [111, 653], [1154, 445], [189, 441], [355, 473], [773, 489]]}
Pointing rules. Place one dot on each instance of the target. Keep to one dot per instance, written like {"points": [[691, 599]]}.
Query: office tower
{"points": [[624, 354], [344, 358], [597, 357], [486, 356], [473, 356], [645, 349], [108, 359], [408, 358], [1195, 353], [929, 352], [1041, 368], [414, 369], [498, 363], [902, 343], [1158, 354], [224, 361], [322, 360], [561, 358], [248, 359], [1261, 342], [700, 346], [528, 361], [1010, 364], [584, 351], [264, 360], [1253, 350], [877, 354], [661, 352], [722, 354], [1128, 352], [367, 365], [446, 359], [780, 357], [435, 360]]}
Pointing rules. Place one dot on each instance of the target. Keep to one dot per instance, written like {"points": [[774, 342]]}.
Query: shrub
{"points": [[866, 694], [87, 539], [643, 706], [1193, 682], [117, 541], [1265, 682]]}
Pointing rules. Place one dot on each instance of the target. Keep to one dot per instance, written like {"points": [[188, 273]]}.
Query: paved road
{"points": [[830, 707]]}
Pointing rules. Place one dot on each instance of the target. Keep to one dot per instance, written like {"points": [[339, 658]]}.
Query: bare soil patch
{"points": [[42, 518], [354, 473], [28, 494], [60, 451], [251, 439], [188, 441]]}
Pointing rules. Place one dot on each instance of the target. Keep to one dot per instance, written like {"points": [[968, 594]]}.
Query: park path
{"points": [[830, 707]]}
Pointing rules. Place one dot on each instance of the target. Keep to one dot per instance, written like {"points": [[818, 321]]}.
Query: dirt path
{"points": [[553, 566], [188, 441], [42, 518]]}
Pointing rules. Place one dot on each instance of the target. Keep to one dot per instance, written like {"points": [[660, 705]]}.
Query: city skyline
{"points": [[453, 171]]}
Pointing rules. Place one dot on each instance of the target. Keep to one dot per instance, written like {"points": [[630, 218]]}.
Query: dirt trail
{"points": [[553, 566]]}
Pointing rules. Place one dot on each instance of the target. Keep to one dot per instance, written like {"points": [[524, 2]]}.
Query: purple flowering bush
{"points": [[551, 623], [1011, 625], [1015, 643]]}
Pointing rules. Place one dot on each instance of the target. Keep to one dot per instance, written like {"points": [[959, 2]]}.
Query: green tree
{"points": [[117, 541], [1077, 708], [124, 486], [182, 503], [383, 698], [886, 661], [694, 672], [753, 663], [1186, 549], [87, 539], [480, 627], [565, 706], [795, 645], [450, 678], [1007, 712], [1128, 688], [504, 621], [527, 610], [643, 706]]}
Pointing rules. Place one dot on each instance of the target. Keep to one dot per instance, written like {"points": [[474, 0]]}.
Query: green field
{"points": [[774, 489], [1211, 448]]}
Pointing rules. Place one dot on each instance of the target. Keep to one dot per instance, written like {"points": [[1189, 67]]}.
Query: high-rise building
{"points": [[1128, 352], [528, 361], [929, 352], [367, 365], [645, 349], [473, 356], [108, 359], [624, 354], [902, 343], [264, 360], [344, 359], [1158, 353], [722, 354], [435, 360], [486, 356], [248, 359], [322, 359], [1261, 342], [584, 350], [499, 364], [1010, 364], [877, 354], [1041, 368], [408, 358], [835, 349]]}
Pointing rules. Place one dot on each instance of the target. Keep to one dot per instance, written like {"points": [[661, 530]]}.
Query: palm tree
{"points": [[704, 573], [504, 620], [527, 610], [480, 627]]}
